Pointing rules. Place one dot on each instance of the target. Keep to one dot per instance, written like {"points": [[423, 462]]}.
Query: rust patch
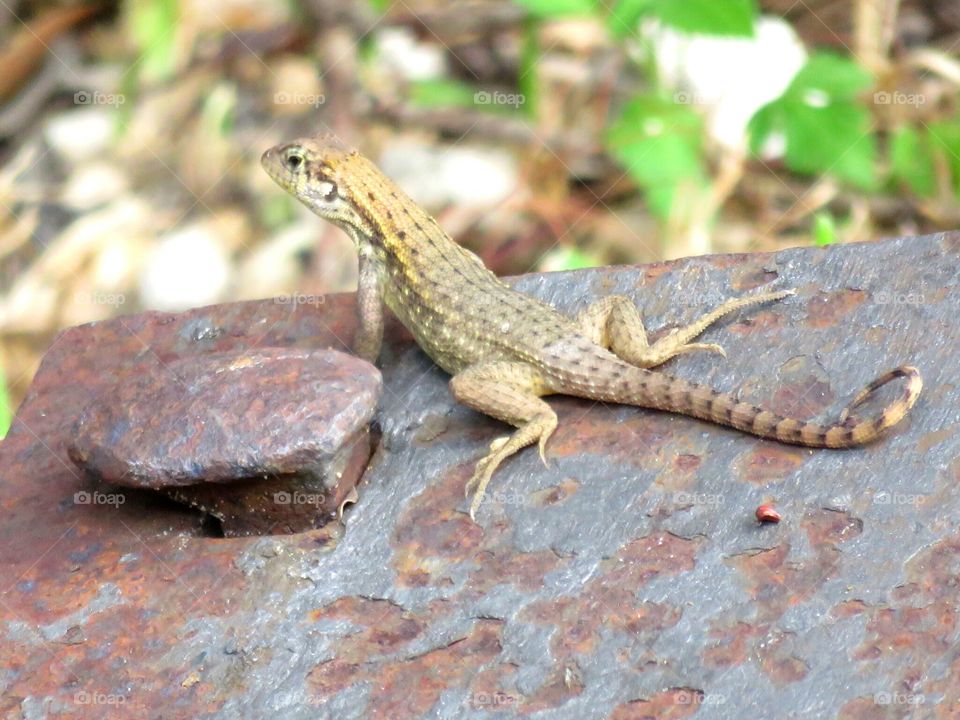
{"points": [[741, 642], [732, 645], [828, 528], [681, 472], [775, 584], [850, 608], [687, 463], [752, 277], [586, 427], [829, 308], [410, 686], [563, 684], [556, 494], [930, 439], [673, 704], [494, 689], [387, 626], [433, 537], [768, 462], [920, 620], [609, 601], [803, 389], [779, 663], [433, 426], [950, 243]]}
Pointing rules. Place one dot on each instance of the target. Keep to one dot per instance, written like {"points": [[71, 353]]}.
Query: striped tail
{"points": [[663, 392]]}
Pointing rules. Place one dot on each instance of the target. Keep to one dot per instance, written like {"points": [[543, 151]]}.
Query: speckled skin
{"points": [[505, 349]]}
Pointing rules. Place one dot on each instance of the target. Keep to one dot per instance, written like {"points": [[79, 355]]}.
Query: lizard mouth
{"points": [[268, 160]]}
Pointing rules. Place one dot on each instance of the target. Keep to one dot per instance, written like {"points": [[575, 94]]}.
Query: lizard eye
{"points": [[293, 161]]}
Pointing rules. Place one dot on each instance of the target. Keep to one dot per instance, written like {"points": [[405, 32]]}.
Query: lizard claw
{"points": [[709, 347], [542, 446]]}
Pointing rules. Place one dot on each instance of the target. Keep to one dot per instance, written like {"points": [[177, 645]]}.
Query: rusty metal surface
{"points": [[287, 429], [629, 579]]}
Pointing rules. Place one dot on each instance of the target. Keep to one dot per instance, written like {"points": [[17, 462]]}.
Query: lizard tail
{"points": [[675, 395]]}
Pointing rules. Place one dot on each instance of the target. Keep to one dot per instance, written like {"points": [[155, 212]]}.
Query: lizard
{"points": [[506, 350]]}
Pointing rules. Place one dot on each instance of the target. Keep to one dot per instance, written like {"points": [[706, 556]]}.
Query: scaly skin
{"points": [[505, 349]]}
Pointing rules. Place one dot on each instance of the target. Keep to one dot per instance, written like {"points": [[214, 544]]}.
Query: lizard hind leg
{"points": [[615, 322], [510, 392]]}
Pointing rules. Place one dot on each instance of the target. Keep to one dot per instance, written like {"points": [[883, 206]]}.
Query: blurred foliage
{"points": [[661, 144], [824, 229], [151, 25], [6, 406], [824, 117], [827, 128], [442, 93], [730, 17]]}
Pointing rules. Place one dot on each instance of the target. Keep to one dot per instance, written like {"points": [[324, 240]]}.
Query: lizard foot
{"points": [[538, 430]]}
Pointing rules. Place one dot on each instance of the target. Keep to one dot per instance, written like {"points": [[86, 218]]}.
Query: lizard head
{"points": [[315, 171]]}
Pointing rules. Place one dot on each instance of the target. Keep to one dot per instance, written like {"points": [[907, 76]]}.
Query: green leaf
{"points": [[546, 9], [6, 409], [530, 54], [381, 6], [824, 229], [153, 25], [442, 93], [660, 144], [837, 77], [219, 107], [826, 130], [625, 16], [710, 17], [944, 138], [567, 258], [911, 161]]}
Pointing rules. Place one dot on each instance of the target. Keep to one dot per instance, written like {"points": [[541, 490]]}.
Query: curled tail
{"points": [[675, 395]]}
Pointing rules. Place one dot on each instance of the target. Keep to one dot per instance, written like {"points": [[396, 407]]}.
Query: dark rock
{"points": [[287, 428], [628, 579]]}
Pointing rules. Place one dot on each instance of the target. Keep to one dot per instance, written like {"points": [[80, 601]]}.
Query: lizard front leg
{"points": [[508, 391], [369, 337], [614, 322]]}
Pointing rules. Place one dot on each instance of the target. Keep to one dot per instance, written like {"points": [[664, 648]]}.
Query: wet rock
{"points": [[286, 428]]}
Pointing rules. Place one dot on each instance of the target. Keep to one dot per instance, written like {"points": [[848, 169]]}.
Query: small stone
{"points": [[82, 134], [287, 429], [768, 514], [188, 268], [463, 176]]}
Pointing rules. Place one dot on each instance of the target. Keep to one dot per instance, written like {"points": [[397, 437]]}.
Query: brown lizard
{"points": [[505, 349]]}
